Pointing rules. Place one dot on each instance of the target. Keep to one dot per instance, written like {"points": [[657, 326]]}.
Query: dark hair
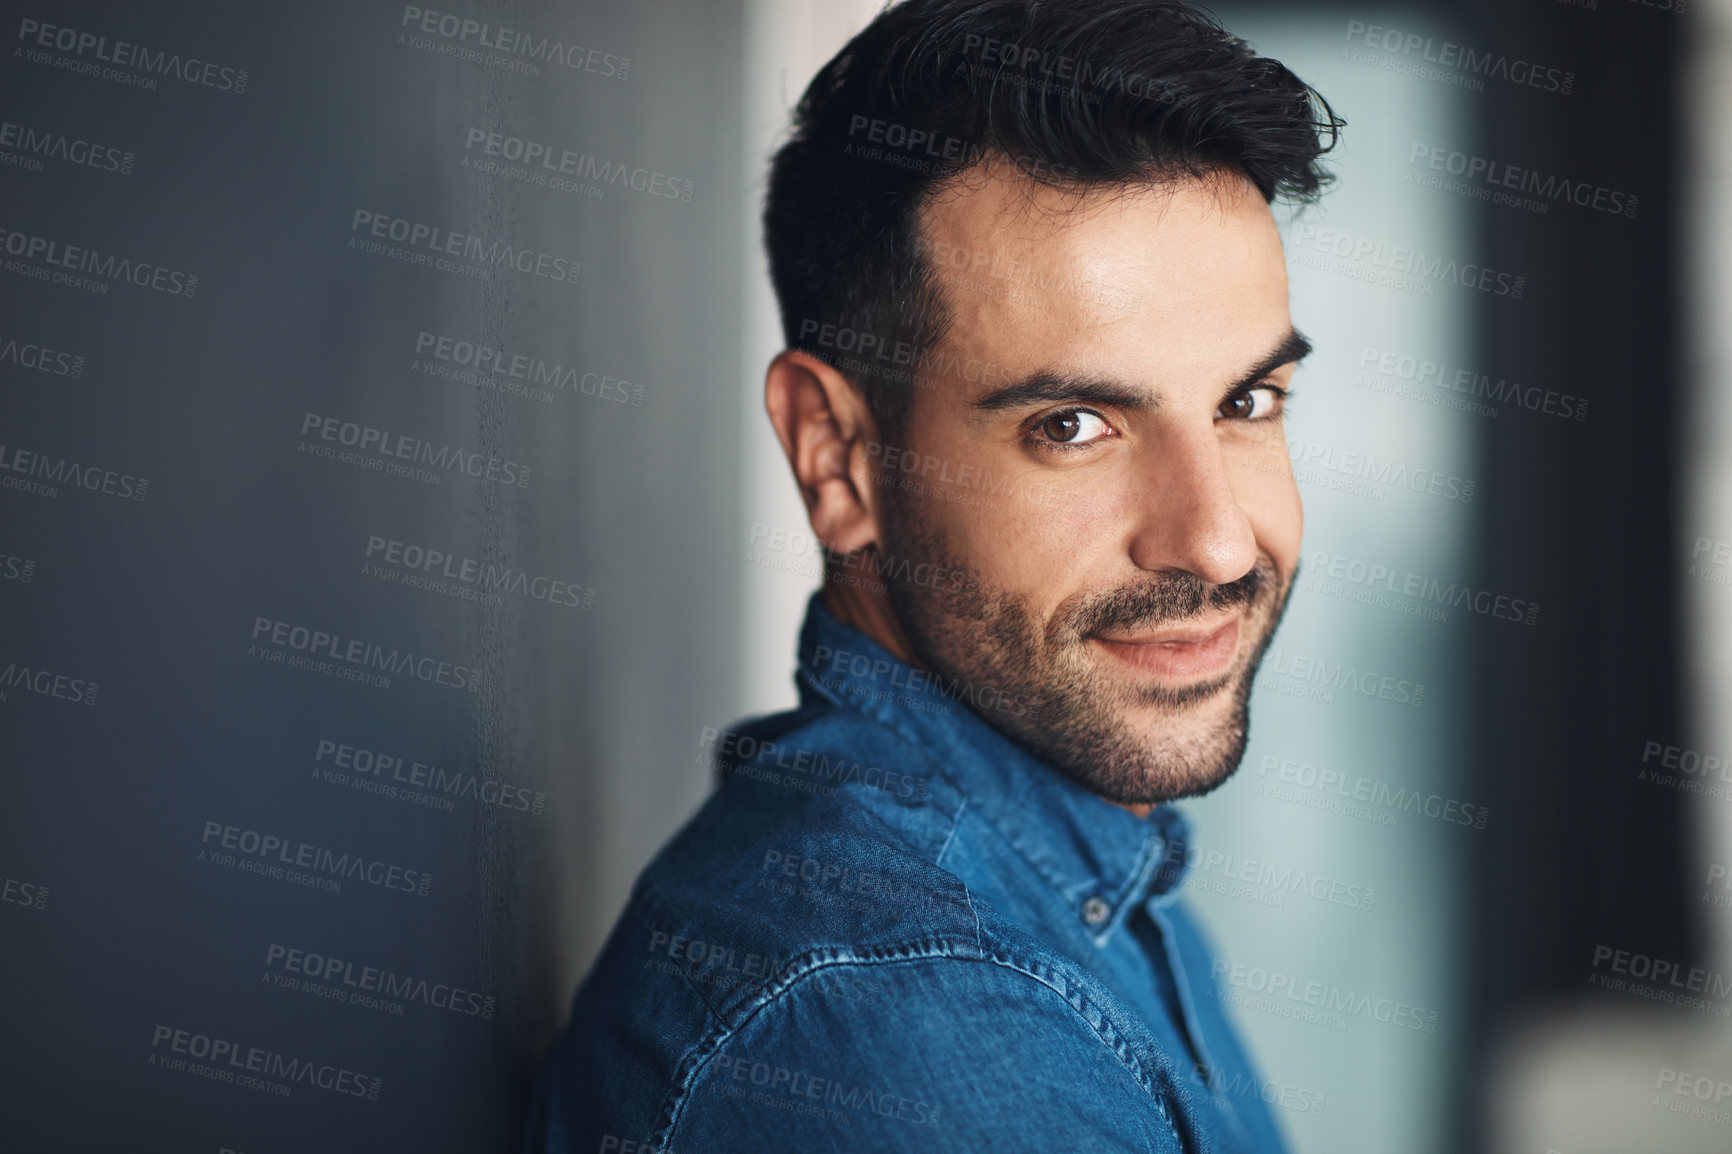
{"points": [[1073, 92]]}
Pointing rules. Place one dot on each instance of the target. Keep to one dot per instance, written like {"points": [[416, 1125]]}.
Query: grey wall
{"points": [[160, 750]]}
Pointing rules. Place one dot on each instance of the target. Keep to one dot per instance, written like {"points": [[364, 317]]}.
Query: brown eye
{"points": [[1072, 427], [1061, 426], [1256, 404]]}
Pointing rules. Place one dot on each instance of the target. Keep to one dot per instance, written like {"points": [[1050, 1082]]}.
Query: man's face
{"points": [[1102, 478]]}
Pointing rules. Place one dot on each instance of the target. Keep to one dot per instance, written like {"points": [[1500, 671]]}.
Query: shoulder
{"points": [[792, 932], [910, 1050], [920, 1046], [826, 833]]}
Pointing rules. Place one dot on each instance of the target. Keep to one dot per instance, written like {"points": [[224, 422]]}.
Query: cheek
{"points": [[1031, 536], [1279, 528], [1263, 485], [1278, 521]]}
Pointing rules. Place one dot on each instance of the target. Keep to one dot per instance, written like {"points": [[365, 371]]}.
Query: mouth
{"points": [[1181, 653]]}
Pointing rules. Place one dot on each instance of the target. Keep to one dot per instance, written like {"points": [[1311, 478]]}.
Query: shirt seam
{"points": [[692, 1064], [967, 894]]}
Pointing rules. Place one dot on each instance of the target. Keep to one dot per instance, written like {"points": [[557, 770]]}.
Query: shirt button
{"points": [[1095, 911]]}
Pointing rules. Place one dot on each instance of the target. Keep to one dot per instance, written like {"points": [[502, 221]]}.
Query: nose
{"points": [[1190, 519]]}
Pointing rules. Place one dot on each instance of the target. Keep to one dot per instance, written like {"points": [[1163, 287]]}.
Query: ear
{"points": [[829, 437]]}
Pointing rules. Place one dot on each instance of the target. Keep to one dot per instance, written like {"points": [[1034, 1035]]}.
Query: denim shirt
{"points": [[893, 929]]}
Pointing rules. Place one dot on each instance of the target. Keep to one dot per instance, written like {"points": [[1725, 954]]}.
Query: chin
{"points": [[1168, 753]]}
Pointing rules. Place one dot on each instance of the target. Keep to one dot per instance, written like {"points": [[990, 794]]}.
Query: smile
{"points": [[1178, 653]]}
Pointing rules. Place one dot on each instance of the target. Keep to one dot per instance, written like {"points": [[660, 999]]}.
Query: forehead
{"points": [[1183, 281]]}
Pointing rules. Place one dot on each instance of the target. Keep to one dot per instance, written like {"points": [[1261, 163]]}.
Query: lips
{"points": [[1179, 653]]}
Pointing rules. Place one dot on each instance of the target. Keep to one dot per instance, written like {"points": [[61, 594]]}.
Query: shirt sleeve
{"points": [[935, 1054]]}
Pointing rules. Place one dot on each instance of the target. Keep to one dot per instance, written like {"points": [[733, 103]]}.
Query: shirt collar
{"points": [[1100, 858]]}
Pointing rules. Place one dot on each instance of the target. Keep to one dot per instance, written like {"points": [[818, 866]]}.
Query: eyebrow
{"points": [[1050, 387]]}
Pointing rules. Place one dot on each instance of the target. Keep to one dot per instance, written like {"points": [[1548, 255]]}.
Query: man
{"points": [[1039, 348]]}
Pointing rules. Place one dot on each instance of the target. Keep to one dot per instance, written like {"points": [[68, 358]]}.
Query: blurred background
{"points": [[387, 508]]}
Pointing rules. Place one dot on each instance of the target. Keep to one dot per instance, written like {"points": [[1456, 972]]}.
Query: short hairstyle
{"points": [[1074, 93]]}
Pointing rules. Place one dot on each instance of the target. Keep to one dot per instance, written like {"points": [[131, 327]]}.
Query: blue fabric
{"points": [[892, 929]]}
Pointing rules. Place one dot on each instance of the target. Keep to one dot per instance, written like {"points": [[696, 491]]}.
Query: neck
{"points": [[870, 612]]}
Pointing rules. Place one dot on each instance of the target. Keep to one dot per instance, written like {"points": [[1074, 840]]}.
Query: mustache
{"points": [[1171, 597]]}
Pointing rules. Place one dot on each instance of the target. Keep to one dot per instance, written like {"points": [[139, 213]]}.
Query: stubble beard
{"points": [[1060, 695]]}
